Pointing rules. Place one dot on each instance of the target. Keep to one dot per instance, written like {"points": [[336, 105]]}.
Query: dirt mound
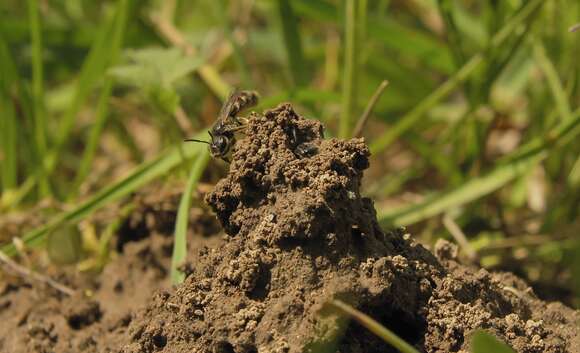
{"points": [[300, 234]]}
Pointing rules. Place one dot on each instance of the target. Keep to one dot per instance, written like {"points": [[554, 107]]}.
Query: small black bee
{"points": [[222, 133], [301, 149]]}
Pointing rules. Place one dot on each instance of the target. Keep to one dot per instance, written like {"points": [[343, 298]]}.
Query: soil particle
{"points": [[299, 234]]}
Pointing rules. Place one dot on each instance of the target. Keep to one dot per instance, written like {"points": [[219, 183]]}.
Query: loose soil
{"points": [[299, 233]]}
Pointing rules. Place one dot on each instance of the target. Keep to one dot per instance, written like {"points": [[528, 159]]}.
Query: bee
{"points": [[222, 133], [301, 149]]}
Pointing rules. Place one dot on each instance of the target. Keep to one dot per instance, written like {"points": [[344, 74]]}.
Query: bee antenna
{"points": [[194, 140]]}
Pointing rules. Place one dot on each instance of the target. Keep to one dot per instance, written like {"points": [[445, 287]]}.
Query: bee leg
{"points": [[242, 120], [236, 128]]}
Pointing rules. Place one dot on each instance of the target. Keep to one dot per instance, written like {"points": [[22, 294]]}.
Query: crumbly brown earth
{"points": [[299, 234], [34, 318]]}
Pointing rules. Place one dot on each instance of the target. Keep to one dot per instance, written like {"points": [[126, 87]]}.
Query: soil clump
{"points": [[299, 234]]}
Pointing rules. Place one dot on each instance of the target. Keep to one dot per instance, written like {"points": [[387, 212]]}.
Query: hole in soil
{"points": [[356, 233], [159, 341], [288, 243], [118, 288], [224, 347], [338, 167], [410, 330], [251, 193], [249, 349], [361, 162], [130, 232], [262, 287], [78, 321], [82, 314]]}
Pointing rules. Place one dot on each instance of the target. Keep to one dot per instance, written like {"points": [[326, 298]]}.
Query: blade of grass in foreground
{"points": [[527, 156], [409, 119], [180, 233], [483, 342], [375, 327], [140, 176]]}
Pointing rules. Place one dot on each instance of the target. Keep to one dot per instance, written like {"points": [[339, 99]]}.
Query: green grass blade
{"points": [[101, 114], [375, 327], [244, 69], [102, 105], [8, 150], [40, 124], [469, 191], [8, 123], [362, 20], [554, 82], [180, 233], [103, 53], [303, 96], [349, 84], [453, 34], [483, 342], [527, 157], [140, 176], [293, 43], [11, 88], [410, 43], [412, 117], [574, 175], [92, 71]]}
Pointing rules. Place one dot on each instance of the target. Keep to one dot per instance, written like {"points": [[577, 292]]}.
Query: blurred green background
{"points": [[476, 138]]}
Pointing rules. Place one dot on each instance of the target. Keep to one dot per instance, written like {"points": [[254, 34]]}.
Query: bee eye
{"points": [[222, 143]]}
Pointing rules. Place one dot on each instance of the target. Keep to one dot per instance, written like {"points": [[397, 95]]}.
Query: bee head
{"points": [[219, 146]]}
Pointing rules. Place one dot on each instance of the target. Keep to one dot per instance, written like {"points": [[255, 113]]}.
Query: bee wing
{"points": [[229, 105]]}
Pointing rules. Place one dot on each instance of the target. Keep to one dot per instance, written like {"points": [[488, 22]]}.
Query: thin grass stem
{"points": [[101, 114], [349, 84], [182, 220], [40, 123], [357, 132], [9, 86], [293, 43], [375, 327], [554, 82]]}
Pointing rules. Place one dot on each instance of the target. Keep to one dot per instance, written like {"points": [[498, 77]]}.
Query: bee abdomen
{"points": [[244, 100]]}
